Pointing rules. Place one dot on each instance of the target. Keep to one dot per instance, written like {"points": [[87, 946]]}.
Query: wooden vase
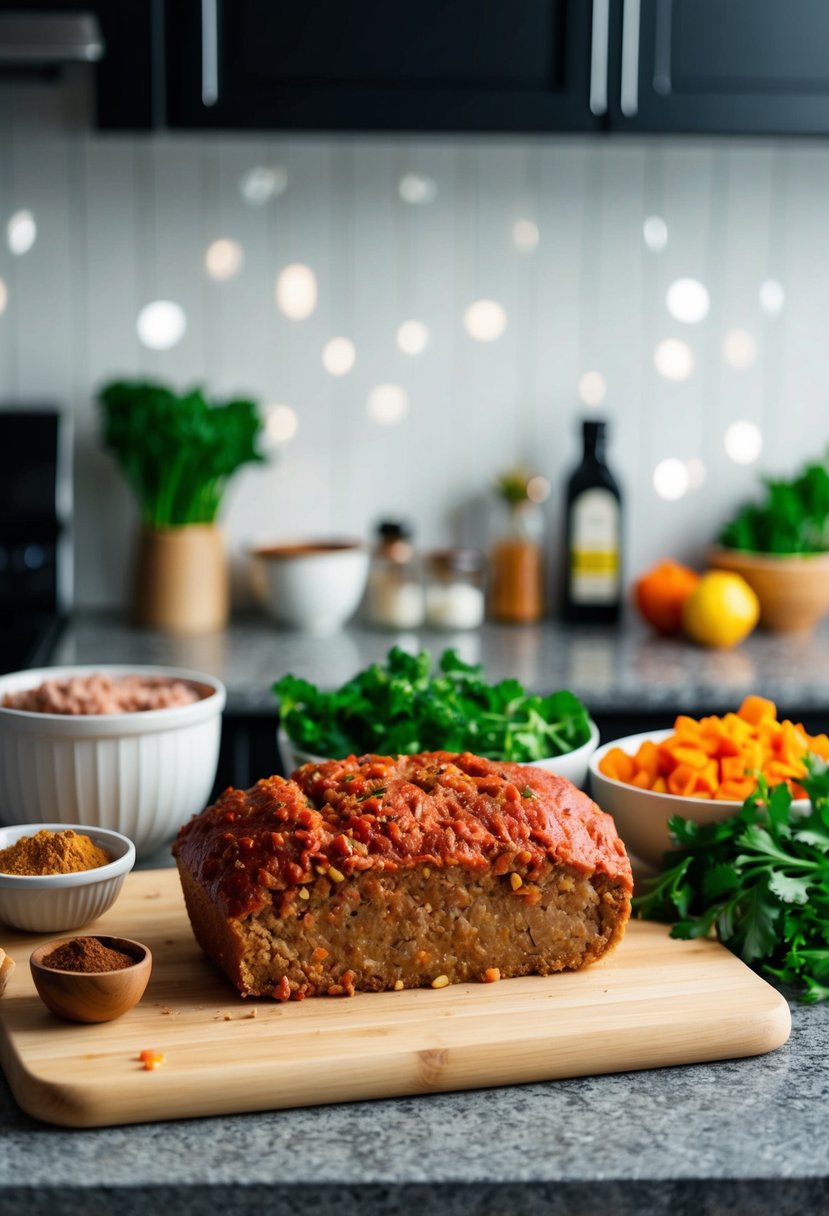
{"points": [[182, 580]]}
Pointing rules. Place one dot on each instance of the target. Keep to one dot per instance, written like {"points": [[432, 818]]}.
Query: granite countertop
{"points": [[614, 670], [744, 1137]]}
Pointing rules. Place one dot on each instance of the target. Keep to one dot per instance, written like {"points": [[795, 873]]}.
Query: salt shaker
{"points": [[394, 591], [454, 581]]}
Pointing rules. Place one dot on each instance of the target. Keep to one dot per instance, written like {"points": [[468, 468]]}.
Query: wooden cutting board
{"points": [[653, 1002]]}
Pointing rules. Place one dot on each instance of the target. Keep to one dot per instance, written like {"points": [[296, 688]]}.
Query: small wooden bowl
{"points": [[92, 996]]}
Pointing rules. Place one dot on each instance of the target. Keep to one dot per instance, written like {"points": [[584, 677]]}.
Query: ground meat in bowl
{"points": [[103, 694]]}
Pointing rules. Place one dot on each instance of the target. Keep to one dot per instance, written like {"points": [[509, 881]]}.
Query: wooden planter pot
{"points": [[182, 580]]}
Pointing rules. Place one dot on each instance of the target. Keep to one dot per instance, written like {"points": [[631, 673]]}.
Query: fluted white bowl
{"points": [[572, 765], [52, 903], [142, 774]]}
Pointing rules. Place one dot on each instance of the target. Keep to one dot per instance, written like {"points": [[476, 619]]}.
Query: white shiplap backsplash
{"points": [[126, 220]]}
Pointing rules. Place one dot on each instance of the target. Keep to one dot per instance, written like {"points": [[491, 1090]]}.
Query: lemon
{"points": [[721, 610]]}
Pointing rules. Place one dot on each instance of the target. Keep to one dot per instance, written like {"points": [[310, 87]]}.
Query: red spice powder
{"points": [[87, 954]]}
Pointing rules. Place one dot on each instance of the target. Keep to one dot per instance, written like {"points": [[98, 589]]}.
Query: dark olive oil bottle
{"points": [[593, 535]]}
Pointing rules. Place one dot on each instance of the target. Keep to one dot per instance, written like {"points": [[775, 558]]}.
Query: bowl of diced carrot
{"points": [[703, 769]]}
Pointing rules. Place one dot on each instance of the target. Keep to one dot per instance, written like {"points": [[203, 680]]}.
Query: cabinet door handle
{"points": [[209, 52], [629, 98], [598, 57]]}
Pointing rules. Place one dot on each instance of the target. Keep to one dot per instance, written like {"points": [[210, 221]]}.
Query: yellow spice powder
{"points": [[48, 852]]}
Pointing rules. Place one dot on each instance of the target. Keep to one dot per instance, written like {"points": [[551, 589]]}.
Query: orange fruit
{"points": [[661, 593]]}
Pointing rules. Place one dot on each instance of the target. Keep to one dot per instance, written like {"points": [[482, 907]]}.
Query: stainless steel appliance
{"points": [[35, 534]]}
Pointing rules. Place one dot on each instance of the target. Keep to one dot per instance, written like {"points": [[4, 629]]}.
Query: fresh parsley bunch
{"points": [[399, 707], [177, 451], [760, 879], [792, 518]]}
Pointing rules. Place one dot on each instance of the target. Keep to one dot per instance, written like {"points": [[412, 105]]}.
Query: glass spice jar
{"points": [[516, 571], [394, 591], [454, 584]]}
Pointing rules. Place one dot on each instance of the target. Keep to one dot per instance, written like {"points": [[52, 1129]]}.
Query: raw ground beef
{"points": [[102, 694]]}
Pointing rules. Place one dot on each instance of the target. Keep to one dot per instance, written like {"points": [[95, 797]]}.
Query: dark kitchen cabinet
{"points": [[638, 66], [434, 65], [720, 66], [129, 77]]}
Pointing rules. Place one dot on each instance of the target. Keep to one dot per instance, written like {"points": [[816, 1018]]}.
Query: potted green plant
{"points": [[780, 546], [178, 453]]}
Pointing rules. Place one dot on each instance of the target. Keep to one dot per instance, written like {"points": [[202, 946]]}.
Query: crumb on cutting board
{"points": [[151, 1059]]}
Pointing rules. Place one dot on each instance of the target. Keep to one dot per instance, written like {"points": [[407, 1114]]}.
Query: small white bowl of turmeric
{"points": [[57, 876]]}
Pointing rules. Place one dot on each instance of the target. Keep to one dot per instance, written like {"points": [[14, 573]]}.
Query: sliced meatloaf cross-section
{"points": [[384, 872]]}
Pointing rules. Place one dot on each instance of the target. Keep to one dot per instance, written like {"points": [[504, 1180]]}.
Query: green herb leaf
{"points": [[398, 707], [789, 890], [760, 879], [177, 452], [792, 518]]}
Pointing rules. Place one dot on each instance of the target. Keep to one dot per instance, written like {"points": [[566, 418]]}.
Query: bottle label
{"points": [[594, 548]]}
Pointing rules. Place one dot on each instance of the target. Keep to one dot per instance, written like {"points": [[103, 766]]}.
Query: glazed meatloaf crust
{"points": [[380, 872]]}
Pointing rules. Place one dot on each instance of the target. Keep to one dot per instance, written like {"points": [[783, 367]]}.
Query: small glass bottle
{"points": [[593, 574], [454, 588], [516, 574], [394, 591]]}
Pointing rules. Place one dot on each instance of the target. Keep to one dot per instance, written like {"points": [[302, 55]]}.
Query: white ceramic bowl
{"points": [[312, 586], [642, 815], [572, 765], [52, 903], [142, 774], [291, 754]]}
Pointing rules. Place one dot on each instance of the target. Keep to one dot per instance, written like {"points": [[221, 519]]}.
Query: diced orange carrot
{"points": [[776, 771], [682, 780], [608, 769], [667, 760], [736, 790], [819, 744], [754, 709], [770, 733], [736, 728], [647, 759], [753, 755], [792, 743], [687, 728], [732, 768], [709, 779], [721, 757], [692, 756], [622, 763]]}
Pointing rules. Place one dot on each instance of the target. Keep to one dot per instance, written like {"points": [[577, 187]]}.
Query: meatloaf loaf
{"points": [[396, 872]]}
